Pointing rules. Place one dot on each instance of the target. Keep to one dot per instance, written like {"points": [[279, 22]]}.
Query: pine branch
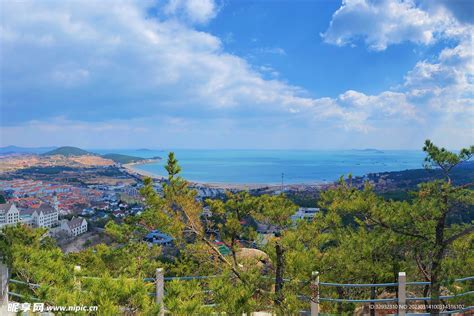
{"points": [[422, 268], [209, 243], [222, 258], [464, 186], [399, 231], [454, 237]]}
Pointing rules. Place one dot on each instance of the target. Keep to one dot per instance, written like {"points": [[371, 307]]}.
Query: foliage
{"points": [[228, 218], [109, 278]]}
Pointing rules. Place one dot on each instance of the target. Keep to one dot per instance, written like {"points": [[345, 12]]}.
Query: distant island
{"points": [[370, 149]]}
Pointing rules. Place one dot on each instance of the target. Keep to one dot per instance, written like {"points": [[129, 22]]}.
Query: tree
{"points": [[178, 212], [421, 225], [229, 220], [276, 211], [440, 197], [354, 250], [109, 278]]}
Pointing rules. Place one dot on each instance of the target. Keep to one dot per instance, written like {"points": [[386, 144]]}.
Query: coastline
{"points": [[131, 168], [302, 170]]}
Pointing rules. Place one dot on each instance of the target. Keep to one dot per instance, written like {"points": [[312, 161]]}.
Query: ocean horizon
{"points": [[232, 166]]}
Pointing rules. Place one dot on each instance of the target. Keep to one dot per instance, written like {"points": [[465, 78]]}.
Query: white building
{"points": [[306, 213], [75, 226], [43, 216], [9, 214]]}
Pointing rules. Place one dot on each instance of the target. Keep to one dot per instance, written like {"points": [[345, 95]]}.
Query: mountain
{"points": [[68, 151], [24, 150], [123, 159]]}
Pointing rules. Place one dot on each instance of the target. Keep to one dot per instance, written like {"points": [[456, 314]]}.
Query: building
{"points": [[157, 238], [206, 212], [9, 214], [305, 213], [74, 227], [264, 228], [43, 216]]}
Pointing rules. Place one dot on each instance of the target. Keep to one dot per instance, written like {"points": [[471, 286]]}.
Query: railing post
{"points": [[3, 284], [402, 293], [77, 279], [373, 294], [160, 289], [315, 294]]}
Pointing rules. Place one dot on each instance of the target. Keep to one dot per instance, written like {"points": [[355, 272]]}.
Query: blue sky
{"points": [[237, 74], [286, 36]]}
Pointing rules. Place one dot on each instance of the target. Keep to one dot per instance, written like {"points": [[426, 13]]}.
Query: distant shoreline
{"points": [[131, 168]]}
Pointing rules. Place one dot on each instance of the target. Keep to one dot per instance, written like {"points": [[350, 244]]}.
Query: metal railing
{"points": [[401, 300], [315, 285]]}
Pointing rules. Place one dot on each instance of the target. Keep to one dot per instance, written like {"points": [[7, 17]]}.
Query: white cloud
{"points": [[272, 50], [460, 9], [439, 89], [112, 63], [197, 11], [383, 23], [68, 76], [447, 83], [357, 111], [115, 45]]}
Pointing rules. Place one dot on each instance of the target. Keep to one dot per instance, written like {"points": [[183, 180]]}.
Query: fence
{"points": [[401, 301], [3, 284], [315, 285]]}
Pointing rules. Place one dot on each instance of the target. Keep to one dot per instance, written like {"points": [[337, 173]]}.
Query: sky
{"points": [[319, 74]]}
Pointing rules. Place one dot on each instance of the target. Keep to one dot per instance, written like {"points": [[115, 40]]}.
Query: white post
{"points": [[160, 289], [402, 293], [315, 294], [3, 284], [77, 279]]}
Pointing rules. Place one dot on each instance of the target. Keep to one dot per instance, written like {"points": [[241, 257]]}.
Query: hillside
{"points": [[67, 151], [123, 159], [397, 184]]}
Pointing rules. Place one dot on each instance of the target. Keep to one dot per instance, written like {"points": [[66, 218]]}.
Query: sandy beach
{"points": [[131, 168]]}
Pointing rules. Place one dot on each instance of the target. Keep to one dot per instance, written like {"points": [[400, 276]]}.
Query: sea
{"points": [[274, 166]]}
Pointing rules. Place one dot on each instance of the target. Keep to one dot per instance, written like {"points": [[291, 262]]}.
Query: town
{"points": [[43, 216], [74, 197]]}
